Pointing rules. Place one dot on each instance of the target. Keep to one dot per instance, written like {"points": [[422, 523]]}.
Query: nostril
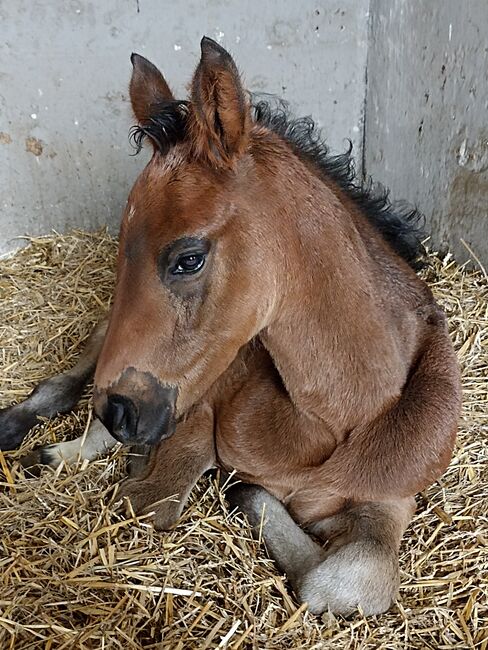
{"points": [[121, 417], [117, 414]]}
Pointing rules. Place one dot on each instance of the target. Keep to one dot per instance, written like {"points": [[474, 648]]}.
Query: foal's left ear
{"points": [[221, 120]]}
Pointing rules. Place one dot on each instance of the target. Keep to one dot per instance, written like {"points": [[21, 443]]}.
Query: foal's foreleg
{"points": [[96, 441], [57, 394], [174, 467], [360, 568], [409, 446]]}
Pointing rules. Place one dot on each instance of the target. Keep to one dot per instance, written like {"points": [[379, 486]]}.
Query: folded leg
{"points": [[359, 569], [86, 447], [174, 467]]}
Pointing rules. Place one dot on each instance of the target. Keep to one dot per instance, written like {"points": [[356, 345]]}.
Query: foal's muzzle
{"points": [[145, 425], [137, 410]]}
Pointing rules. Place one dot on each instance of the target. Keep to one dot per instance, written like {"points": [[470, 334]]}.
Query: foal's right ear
{"points": [[220, 119], [147, 88]]}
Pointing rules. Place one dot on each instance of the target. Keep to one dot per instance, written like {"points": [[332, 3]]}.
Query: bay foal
{"points": [[266, 321]]}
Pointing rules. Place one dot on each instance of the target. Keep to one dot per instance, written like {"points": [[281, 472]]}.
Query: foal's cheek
{"points": [[190, 391], [197, 380]]}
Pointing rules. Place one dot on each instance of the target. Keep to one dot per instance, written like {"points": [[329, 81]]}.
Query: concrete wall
{"points": [[427, 113], [64, 70], [64, 112]]}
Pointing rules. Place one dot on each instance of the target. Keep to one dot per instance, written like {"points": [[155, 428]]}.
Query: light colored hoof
{"points": [[355, 576]]}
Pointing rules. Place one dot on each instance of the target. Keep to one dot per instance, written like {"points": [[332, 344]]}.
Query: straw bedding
{"points": [[79, 570]]}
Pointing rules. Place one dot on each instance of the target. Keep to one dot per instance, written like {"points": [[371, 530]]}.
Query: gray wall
{"points": [[64, 70], [427, 113], [420, 111]]}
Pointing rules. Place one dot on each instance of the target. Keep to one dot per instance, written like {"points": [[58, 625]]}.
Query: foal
{"points": [[265, 322]]}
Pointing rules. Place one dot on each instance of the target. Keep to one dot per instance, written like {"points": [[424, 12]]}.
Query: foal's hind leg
{"points": [[359, 569], [57, 394]]}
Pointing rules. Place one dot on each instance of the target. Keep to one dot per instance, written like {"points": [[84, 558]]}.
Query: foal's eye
{"points": [[189, 263]]}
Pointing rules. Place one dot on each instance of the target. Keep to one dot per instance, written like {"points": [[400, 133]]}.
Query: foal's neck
{"points": [[331, 340]]}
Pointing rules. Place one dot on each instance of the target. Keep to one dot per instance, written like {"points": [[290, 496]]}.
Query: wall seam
{"points": [[365, 100]]}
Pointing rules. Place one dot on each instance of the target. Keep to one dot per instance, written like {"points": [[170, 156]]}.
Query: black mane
{"points": [[399, 224], [165, 128]]}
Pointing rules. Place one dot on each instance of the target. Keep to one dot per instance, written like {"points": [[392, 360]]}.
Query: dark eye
{"points": [[189, 263]]}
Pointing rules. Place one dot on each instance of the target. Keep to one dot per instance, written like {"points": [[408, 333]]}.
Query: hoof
{"points": [[145, 497], [34, 461], [357, 575]]}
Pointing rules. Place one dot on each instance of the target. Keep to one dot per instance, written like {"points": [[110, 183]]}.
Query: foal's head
{"points": [[196, 266]]}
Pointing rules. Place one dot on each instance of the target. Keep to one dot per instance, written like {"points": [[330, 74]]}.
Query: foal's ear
{"points": [[220, 121], [147, 88]]}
